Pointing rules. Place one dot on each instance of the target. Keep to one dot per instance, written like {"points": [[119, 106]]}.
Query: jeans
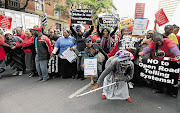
{"points": [[42, 68]]}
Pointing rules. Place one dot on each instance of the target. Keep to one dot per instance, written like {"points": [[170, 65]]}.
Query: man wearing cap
{"points": [[43, 50], [80, 38]]}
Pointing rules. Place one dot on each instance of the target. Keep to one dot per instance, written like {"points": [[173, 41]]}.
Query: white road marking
{"points": [[79, 91]]}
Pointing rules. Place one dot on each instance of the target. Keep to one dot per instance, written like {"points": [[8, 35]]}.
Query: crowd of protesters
{"points": [[34, 49]]}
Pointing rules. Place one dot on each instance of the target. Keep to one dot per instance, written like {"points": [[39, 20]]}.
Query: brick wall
{"points": [[31, 5]]}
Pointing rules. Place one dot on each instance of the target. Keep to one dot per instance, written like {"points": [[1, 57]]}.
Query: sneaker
{"points": [[103, 96], [129, 100], [44, 80], [130, 84], [20, 73], [15, 73], [92, 82], [2, 70], [31, 75]]}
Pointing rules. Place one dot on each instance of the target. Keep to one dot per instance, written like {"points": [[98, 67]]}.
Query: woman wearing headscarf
{"points": [[16, 56], [28, 48], [64, 43], [118, 69]]}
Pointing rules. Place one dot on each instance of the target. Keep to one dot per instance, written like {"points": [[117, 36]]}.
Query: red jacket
{"points": [[22, 35], [26, 43], [2, 52]]}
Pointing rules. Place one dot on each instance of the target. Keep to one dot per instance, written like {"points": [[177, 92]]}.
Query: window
{"points": [[39, 5], [56, 13]]}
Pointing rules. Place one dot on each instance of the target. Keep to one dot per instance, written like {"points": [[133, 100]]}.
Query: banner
{"points": [[128, 24], [139, 10], [161, 17], [90, 67], [81, 16], [128, 42], [5, 22], [108, 19], [139, 26], [53, 64], [160, 70]]}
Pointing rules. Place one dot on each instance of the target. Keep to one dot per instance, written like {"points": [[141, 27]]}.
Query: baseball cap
{"points": [[78, 27], [87, 39], [37, 29]]}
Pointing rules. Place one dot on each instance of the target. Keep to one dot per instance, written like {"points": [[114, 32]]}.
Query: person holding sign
{"points": [[64, 43], [121, 70], [80, 39], [94, 50], [163, 47]]}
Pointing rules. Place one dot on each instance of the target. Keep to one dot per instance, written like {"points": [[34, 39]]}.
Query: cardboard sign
{"points": [[139, 10], [161, 17], [5, 22], [128, 42], [160, 70], [81, 16], [128, 24], [90, 67], [139, 26], [108, 19]]}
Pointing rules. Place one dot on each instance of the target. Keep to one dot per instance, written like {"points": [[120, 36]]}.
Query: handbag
{"points": [[100, 57]]}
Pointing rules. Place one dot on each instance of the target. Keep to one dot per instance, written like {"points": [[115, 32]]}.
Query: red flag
{"points": [[5, 22], [139, 10], [161, 17]]}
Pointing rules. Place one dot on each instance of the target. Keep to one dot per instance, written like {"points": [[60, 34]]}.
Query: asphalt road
{"points": [[20, 94]]}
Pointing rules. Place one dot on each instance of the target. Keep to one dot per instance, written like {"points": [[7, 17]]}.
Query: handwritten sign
{"points": [[139, 27], [90, 67]]}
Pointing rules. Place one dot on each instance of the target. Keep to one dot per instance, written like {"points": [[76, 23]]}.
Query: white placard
{"points": [[69, 55], [90, 67], [139, 26]]}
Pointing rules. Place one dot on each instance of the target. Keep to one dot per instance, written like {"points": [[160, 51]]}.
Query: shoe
{"points": [[20, 73], [44, 80], [73, 77], [173, 95], [82, 78], [2, 70], [103, 96], [130, 84], [39, 79], [129, 100], [92, 82], [31, 75], [15, 73]]}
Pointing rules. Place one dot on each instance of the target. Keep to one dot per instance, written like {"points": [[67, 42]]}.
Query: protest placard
{"points": [[160, 70], [128, 42], [108, 19], [139, 10], [161, 17], [128, 24], [139, 26], [81, 16], [5, 22], [69, 55], [90, 67]]}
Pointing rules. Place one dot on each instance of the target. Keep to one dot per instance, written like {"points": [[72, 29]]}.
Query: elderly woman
{"points": [[28, 48], [162, 47], [94, 50], [64, 43], [121, 70]]}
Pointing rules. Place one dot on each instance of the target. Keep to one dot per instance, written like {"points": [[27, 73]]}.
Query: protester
{"points": [[16, 56], [43, 49], [94, 50], [175, 31], [3, 54], [162, 47], [96, 38], [64, 43], [106, 38], [80, 38], [19, 33], [121, 70], [28, 47], [51, 35]]}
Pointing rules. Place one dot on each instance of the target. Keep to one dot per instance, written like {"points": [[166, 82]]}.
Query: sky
{"points": [[126, 8]]}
